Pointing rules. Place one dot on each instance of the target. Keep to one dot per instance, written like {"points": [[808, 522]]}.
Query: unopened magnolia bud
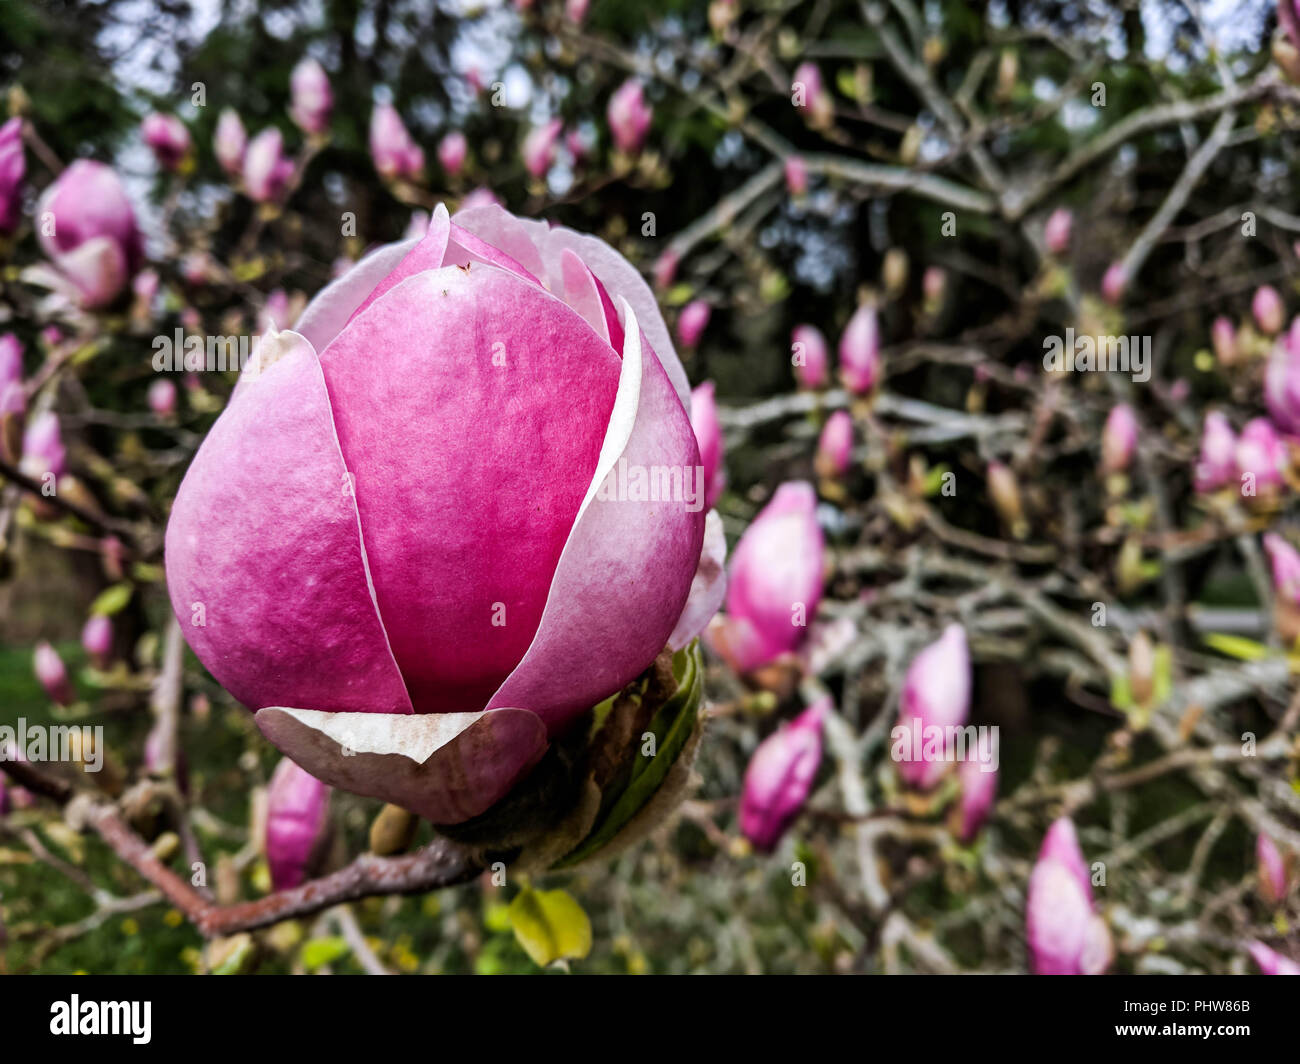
{"points": [[1261, 456], [1217, 462], [835, 446], [936, 694], [52, 674], [1118, 439], [1270, 961], [1223, 336], [692, 322], [1113, 283], [1008, 70], [1065, 935], [1142, 669], [812, 366], [1271, 869], [297, 822], [97, 639], [780, 776], [708, 434], [1004, 490], [392, 830], [979, 784], [860, 351], [894, 271], [1267, 308], [1056, 233], [1285, 562]]}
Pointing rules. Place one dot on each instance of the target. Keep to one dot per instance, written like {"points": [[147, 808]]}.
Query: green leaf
{"points": [[671, 726], [550, 925], [1235, 646], [112, 600], [318, 952]]}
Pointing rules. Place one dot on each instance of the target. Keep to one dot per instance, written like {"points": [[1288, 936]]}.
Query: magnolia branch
{"points": [[442, 863]]}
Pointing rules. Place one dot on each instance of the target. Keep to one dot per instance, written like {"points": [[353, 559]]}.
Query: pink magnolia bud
{"points": [[1066, 937], [934, 283], [394, 153], [11, 360], [780, 776], [1056, 233], [1119, 438], [229, 142], [979, 785], [97, 639], [167, 138], [796, 175], [629, 117], [479, 197], [812, 364], [1223, 335], [13, 168], [576, 10], [1271, 962], [43, 450], [1282, 382], [692, 322], [1268, 310], [94, 241], [342, 632], [1260, 455], [810, 96], [1217, 463], [936, 695], [1288, 20], [775, 581], [860, 351], [53, 676], [266, 170], [835, 446], [539, 147], [162, 397], [1113, 283], [665, 268], [13, 398], [452, 150], [1285, 562], [1270, 867], [579, 144], [708, 433], [297, 824], [311, 97]]}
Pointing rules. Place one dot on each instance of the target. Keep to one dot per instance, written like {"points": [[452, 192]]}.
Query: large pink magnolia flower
{"points": [[431, 529]]}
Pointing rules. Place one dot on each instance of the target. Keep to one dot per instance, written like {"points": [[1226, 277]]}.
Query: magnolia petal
{"points": [[445, 767], [708, 586], [465, 515], [428, 254], [265, 565], [622, 281], [466, 248], [271, 348], [97, 268], [626, 570], [581, 293], [520, 238], [334, 304]]}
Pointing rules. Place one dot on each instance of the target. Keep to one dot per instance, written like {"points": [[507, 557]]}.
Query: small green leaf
{"points": [[112, 600], [550, 925], [1235, 646], [318, 952]]}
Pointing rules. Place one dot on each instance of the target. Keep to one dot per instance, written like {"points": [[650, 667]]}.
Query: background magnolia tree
{"points": [[868, 223]]}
